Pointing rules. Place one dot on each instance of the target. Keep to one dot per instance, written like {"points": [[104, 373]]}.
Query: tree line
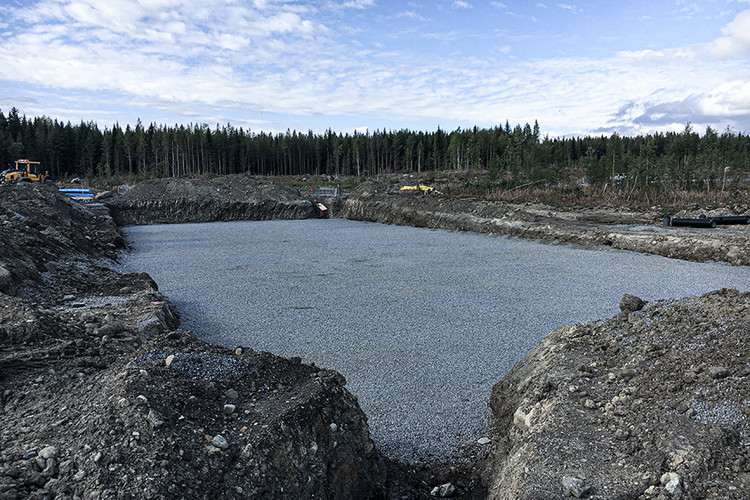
{"points": [[512, 156]]}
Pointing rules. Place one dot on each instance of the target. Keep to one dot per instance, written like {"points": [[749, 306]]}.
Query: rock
{"points": [[631, 303], [154, 418], [231, 394], [220, 442], [143, 373], [652, 491], [574, 486], [78, 476], [674, 486], [667, 477], [169, 360], [522, 420], [48, 452], [483, 440], [6, 279], [229, 409], [446, 490], [334, 427]]}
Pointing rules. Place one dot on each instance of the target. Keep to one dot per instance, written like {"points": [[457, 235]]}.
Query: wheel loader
{"points": [[24, 171]]}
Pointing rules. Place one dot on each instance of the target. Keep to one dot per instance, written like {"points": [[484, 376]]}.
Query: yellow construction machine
{"points": [[24, 171], [420, 189]]}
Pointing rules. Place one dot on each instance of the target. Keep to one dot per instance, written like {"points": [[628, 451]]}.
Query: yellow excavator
{"points": [[24, 171]]}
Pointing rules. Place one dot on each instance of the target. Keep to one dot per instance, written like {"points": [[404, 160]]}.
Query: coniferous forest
{"points": [[512, 156]]}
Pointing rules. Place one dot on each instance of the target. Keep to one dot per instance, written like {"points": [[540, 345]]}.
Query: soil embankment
{"points": [[226, 198], [638, 232], [101, 396]]}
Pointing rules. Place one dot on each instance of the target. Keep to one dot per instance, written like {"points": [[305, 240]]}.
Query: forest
{"points": [[512, 156]]}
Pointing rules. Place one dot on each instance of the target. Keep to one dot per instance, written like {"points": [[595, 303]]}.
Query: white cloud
{"points": [[461, 4], [568, 7], [210, 58], [412, 15], [737, 39], [353, 4]]}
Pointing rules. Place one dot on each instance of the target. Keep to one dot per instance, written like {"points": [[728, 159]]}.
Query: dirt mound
{"points": [[651, 403], [131, 425], [226, 198], [52, 245]]}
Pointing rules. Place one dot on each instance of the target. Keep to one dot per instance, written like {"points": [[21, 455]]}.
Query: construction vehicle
{"points": [[24, 171], [420, 189]]}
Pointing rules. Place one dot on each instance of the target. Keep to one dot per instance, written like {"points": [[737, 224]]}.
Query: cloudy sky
{"points": [[578, 66]]}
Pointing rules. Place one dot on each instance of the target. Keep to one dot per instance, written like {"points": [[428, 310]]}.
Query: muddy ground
{"points": [[103, 396]]}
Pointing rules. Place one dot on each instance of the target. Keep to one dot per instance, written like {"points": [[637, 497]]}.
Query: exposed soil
{"points": [[226, 198], [102, 396], [631, 403]]}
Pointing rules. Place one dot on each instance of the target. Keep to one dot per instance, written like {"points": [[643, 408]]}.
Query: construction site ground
{"points": [[103, 396]]}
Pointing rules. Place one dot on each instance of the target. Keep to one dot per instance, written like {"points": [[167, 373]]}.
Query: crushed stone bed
{"points": [[421, 323]]}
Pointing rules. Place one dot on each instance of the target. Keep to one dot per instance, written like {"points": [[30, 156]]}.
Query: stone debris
{"points": [[574, 486], [446, 490], [631, 303], [220, 442]]}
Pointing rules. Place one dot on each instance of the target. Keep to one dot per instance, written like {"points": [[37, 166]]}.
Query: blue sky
{"points": [[578, 67]]}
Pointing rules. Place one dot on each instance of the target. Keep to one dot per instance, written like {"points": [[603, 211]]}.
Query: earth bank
{"points": [[103, 397]]}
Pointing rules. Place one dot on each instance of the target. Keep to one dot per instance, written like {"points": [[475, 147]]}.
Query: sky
{"points": [[578, 67]]}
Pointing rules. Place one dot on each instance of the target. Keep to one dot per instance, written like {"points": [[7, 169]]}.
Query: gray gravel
{"points": [[421, 322], [204, 366]]}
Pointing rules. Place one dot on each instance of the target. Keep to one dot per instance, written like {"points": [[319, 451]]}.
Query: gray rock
{"points": [[522, 420], [220, 442], [231, 394], [154, 418], [483, 440], [446, 490], [48, 452], [6, 279], [229, 409], [674, 486], [631, 303], [574, 486]]}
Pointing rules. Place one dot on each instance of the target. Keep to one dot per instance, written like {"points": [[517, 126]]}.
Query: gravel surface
{"points": [[421, 322]]}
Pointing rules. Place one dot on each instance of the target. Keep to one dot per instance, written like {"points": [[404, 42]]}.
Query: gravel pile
{"points": [[202, 365], [422, 323]]}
